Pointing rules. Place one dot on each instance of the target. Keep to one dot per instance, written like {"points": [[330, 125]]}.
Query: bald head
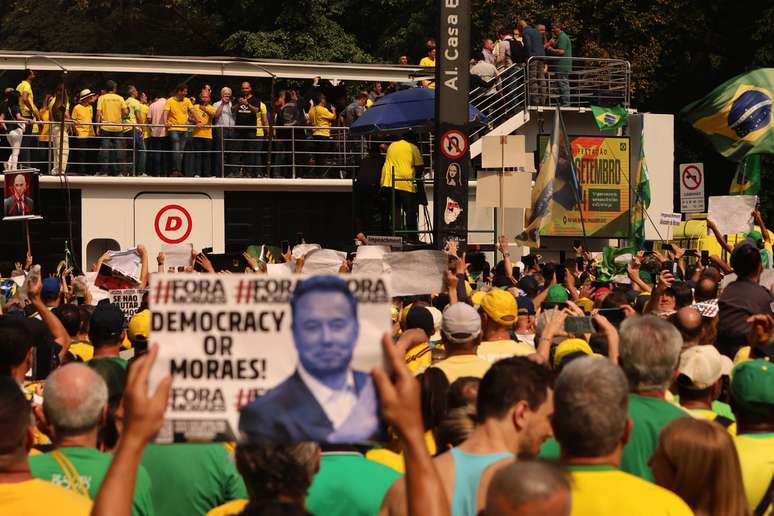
{"points": [[529, 488], [689, 323], [706, 289], [75, 399]]}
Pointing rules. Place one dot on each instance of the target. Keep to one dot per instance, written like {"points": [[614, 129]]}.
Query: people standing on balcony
{"points": [[290, 139], [28, 111], [145, 132], [223, 132], [488, 50], [178, 113], [133, 131], [533, 42], [83, 116], [482, 75], [560, 45], [355, 109], [111, 110], [157, 143], [519, 53], [42, 156], [12, 121], [59, 111], [402, 165], [204, 112], [503, 49], [246, 146], [321, 117], [262, 127], [428, 61], [377, 91]]}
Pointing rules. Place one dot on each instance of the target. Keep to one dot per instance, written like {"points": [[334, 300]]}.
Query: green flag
{"points": [[608, 118], [641, 200], [747, 180], [736, 116]]}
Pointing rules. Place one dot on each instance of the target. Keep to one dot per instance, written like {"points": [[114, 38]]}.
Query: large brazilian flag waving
{"points": [[736, 116]]}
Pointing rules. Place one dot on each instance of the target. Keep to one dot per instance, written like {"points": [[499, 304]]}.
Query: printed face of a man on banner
{"points": [[18, 203], [324, 400], [325, 330], [20, 186]]}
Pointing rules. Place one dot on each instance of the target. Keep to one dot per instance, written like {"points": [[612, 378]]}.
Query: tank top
{"points": [[468, 468]]}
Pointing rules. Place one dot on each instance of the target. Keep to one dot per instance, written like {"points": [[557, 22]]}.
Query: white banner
{"points": [[732, 213], [416, 272], [670, 219], [234, 342]]}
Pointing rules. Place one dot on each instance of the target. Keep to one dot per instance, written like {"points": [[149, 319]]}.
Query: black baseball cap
{"points": [[106, 323]]}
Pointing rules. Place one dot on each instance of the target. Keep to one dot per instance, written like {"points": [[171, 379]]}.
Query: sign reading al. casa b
{"points": [[452, 149]]}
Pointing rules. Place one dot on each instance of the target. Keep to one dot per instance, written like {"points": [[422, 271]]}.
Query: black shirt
{"points": [[243, 115], [740, 299]]}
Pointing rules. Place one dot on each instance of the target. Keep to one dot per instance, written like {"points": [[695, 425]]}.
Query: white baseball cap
{"points": [[461, 323], [704, 365]]}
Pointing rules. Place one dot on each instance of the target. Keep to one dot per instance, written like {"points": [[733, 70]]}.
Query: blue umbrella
{"points": [[412, 108]]}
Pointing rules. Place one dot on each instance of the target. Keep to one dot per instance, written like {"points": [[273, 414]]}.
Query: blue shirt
{"points": [[534, 42]]}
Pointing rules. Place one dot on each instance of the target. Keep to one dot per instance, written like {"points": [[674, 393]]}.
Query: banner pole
{"points": [[502, 195], [27, 231]]}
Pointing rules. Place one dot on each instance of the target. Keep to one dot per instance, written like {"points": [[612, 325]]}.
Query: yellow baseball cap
{"points": [[569, 346], [477, 297], [500, 306], [139, 326]]}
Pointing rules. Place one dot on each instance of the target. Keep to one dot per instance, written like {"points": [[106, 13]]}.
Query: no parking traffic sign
{"points": [[691, 187]]}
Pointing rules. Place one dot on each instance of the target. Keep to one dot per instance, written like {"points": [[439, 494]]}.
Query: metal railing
{"points": [[295, 151], [578, 82], [500, 99]]}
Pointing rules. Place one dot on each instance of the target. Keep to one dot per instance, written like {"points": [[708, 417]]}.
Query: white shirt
{"points": [[226, 118], [337, 404]]}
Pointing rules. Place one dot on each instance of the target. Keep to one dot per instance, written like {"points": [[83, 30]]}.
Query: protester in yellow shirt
{"points": [[203, 113], [402, 162], [83, 116], [590, 422], [321, 118], [20, 493], [500, 312], [133, 131], [178, 112], [29, 111], [461, 334], [428, 61], [752, 400], [111, 110], [44, 131]]}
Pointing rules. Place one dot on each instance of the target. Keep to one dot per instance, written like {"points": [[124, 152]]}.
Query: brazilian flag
{"points": [[608, 118], [747, 180], [736, 116]]}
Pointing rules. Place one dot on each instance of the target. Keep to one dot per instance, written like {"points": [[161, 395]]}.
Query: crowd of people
{"points": [[530, 387], [130, 131]]}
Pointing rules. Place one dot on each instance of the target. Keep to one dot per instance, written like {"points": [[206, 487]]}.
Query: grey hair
{"points": [[650, 352], [523, 482], [74, 399], [591, 399]]}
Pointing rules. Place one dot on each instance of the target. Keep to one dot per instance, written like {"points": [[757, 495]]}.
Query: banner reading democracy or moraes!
{"points": [[281, 358]]}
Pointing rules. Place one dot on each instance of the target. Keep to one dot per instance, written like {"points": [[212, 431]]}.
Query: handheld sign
{"points": [[284, 359], [670, 219], [21, 195], [128, 300]]}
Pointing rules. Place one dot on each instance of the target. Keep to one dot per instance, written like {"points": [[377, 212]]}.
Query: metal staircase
{"points": [[504, 102]]}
